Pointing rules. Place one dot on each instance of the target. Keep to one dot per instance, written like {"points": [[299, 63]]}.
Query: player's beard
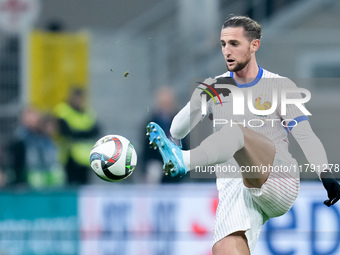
{"points": [[239, 66]]}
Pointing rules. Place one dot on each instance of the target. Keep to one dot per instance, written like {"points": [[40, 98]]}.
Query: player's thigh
{"points": [[233, 244], [257, 149]]}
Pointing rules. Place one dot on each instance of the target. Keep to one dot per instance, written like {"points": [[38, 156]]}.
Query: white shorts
{"points": [[247, 209]]}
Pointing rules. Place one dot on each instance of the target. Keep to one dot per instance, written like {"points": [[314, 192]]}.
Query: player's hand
{"points": [[332, 187]]}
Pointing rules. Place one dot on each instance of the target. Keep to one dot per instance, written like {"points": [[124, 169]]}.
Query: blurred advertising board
{"points": [[140, 220], [152, 220], [38, 223], [309, 227], [166, 220]]}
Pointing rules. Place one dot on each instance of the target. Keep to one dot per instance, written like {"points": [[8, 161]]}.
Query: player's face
{"points": [[236, 48]]}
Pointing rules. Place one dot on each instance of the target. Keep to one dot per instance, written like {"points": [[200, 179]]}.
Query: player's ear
{"points": [[254, 45]]}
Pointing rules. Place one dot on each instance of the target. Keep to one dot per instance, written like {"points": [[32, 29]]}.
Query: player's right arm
{"points": [[180, 125], [190, 115]]}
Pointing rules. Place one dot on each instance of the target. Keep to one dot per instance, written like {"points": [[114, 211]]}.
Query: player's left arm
{"points": [[310, 144], [316, 156]]}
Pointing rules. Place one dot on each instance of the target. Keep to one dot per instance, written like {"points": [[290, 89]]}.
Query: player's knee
{"points": [[233, 244], [254, 182]]}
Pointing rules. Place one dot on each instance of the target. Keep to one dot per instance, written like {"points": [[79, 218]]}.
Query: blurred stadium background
{"points": [[121, 52]]}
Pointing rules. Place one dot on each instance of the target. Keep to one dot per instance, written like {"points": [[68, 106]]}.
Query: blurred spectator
{"points": [[9, 70], [33, 154], [3, 179], [163, 113], [55, 26], [78, 130], [55, 176]]}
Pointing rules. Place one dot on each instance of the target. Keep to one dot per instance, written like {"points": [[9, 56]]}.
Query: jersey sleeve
{"points": [[296, 120], [290, 108], [188, 117], [311, 146], [196, 110], [180, 126]]}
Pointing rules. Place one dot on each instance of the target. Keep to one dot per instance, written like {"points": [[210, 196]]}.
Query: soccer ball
{"points": [[113, 158]]}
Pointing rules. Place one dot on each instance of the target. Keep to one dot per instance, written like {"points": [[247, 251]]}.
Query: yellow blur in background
{"points": [[57, 61]]}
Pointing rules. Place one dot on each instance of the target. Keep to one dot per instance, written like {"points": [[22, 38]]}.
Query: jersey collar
{"points": [[250, 84]]}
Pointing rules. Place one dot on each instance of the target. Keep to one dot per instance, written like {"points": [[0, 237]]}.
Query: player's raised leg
{"points": [[248, 147], [257, 151]]}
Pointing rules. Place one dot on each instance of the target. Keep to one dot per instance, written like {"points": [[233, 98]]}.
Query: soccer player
{"points": [[246, 141]]}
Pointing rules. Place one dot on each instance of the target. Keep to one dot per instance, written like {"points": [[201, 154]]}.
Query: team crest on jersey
{"points": [[264, 106]]}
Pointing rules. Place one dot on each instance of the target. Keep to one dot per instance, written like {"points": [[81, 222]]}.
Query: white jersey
{"points": [[261, 90], [241, 208], [275, 125], [246, 209]]}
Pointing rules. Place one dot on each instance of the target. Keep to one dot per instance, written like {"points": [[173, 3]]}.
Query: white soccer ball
{"points": [[113, 158]]}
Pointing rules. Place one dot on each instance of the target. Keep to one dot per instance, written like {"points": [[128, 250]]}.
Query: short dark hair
{"points": [[251, 27]]}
